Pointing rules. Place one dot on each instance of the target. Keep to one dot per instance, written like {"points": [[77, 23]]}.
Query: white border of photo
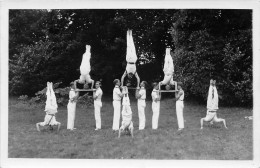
{"points": [[6, 162]]}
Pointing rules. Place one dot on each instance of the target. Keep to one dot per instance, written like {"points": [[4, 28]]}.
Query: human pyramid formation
{"points": [[118, 95]]}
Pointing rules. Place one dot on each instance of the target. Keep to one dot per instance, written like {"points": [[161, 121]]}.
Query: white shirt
{"points": [[181, 98], [99, 94], [72, 94], [154, 94], [116, 93], [142, 92]]}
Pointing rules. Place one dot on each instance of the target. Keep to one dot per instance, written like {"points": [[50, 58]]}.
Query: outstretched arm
{"points": [[137, 95], [75, 84], [178, 95], [138, 80], [122, 79]]}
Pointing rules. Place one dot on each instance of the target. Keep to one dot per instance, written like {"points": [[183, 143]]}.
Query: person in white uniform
{"points": [[50, 109], [117, 95], [212, 106], [85, 70], [155, 105], [127, 124], [179, 95], [97, 95], [71, 107], [141, 96], [168, 70], [131, 59]]}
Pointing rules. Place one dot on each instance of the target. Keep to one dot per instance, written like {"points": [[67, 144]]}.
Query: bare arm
{"points": [[137, 95], [75, 97], [94, 95], [138, 80], [159, 96], [122, 79], [75, 84], [178, 95], [92, 84]]}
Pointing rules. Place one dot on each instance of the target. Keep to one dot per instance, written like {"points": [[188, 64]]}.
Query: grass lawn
{"points": [[213, 143]]}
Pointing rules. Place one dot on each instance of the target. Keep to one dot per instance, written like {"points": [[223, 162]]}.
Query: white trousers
{"points": [[71, 107], [116, 119], [179, 113], [168, 80], [141, 113], [97, 106], [156, 112]]}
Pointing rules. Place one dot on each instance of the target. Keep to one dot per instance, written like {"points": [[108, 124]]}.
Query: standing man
{"points": [[71, 107], [117, 96], [155, 105], [212, 106], [141, 96], [179, 95], [97, 95]]}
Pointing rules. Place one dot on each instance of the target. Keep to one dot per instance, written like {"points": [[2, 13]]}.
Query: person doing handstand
{"points": [[131, 59], [85, 70]]}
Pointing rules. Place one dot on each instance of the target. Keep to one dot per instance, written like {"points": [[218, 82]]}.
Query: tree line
{"points": [[47, 45]]}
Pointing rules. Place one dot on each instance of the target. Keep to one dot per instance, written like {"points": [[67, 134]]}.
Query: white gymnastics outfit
{"points": [[155, 109], [50, 107], [168, 69], [126, 114], [141, 108], [97, 106], [179, 111], [131, 56], [71, 107], [85, 67], [117, 107]]}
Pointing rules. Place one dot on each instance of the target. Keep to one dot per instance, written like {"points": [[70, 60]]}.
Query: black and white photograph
{"points": [[130, 84]]}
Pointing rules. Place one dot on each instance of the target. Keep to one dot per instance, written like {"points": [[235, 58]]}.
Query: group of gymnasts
{"points": [[120, 96]]}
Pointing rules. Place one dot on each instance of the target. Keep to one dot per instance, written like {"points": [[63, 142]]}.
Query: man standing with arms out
{"points": [[97, 95], [212, 106], [155, 105], [117, 95], [179, 95], [141, 96]]}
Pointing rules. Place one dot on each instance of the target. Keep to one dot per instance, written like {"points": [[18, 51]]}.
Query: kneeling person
{"points": [[127, 123]]}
